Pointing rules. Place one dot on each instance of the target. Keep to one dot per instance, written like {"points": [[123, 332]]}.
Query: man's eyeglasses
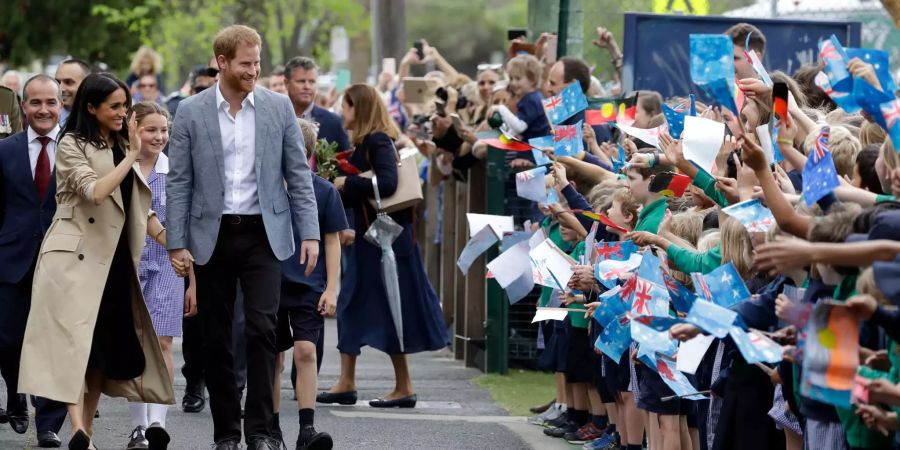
{"points": [[142, 86]]}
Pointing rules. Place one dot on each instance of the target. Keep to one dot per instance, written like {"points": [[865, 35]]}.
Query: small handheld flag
{"points": [[567, 103], [780, 102], [675, 119], [670, 184], [505, 142], [726, 286], [835, 58], [566, 140], [890, 112], [819, 175], [755, 217], [870, 99]]}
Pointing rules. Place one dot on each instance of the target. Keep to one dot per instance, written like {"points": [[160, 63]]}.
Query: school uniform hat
{"points": [[887, 278]]}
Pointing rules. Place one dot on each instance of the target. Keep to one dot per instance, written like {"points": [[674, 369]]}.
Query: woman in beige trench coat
{"points": [[89, 331]]}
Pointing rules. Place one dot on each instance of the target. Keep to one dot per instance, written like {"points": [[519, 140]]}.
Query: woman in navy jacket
{"points": [[364, 317]]}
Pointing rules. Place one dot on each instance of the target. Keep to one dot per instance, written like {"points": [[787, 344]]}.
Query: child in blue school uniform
{"points": [[308, 295]]}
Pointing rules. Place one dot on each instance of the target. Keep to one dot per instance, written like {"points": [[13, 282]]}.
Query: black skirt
{"points": [[115, 348]]}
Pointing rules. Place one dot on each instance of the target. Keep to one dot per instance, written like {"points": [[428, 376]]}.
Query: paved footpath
{"points": [[453, 412]]}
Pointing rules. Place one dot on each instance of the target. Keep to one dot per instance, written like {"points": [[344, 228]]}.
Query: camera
{"points": [[461, 101], [423, 126]]}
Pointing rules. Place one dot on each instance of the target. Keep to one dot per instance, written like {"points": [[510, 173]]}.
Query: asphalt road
{"points": [[453, 412]]}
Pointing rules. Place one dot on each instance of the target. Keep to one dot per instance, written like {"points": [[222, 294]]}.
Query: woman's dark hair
{"points": [[815, 96], [865, 164], [94, 90]]}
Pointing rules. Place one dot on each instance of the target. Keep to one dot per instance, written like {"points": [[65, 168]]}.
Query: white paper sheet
{"points": [[537, 238], [765, 141], [691, 352], [648, 135], [549, 314], [511, 264], [482, 241], [554, 268], [702, 139], [502, 224]]}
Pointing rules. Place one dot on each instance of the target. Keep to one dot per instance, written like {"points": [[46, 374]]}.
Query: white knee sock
{"points": [[157, 413], [138, 413]]}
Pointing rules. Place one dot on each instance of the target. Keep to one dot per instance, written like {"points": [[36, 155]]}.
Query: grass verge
{"points": [[519, 389]]}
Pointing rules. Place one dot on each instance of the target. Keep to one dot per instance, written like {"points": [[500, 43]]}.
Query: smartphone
{"points": [[515, 33], [420, 49]]}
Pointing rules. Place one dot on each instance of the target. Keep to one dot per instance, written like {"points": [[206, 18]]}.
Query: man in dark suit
{"points": [[301, 73], [27, 206]]}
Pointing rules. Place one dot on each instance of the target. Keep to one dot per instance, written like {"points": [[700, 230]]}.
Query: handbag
{"points": [[409, 188]]}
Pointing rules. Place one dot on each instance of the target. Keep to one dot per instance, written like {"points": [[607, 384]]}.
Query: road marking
{"points": [[419, 405], [427, 417]]}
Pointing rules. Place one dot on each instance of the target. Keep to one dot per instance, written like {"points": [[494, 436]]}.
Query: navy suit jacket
{"points": [[24, 218], [331, 127]]}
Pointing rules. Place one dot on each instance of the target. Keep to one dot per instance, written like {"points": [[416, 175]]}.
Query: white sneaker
{"points": [[552, 413]]}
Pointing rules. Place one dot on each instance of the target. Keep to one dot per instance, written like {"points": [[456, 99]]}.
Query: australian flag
{"points": [[835, 58], [871, 99], [675, 119], [726, 286], [658, 323], [649, 299], [755, 347], [677, 382], [569, 102], [566, 140], [610, 270], [682, 297], [840, 97], [612, 305], [615, 339], [755, 217], [890, 112], [880, 61], [711, 318], [819, 175], [651, 340], [619, 251], [721, 93]]}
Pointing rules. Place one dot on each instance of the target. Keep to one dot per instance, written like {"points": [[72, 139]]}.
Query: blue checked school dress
{"points": [[163, 290]]}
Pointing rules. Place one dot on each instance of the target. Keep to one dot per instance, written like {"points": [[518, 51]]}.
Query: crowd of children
{"points": [[838, 251]]}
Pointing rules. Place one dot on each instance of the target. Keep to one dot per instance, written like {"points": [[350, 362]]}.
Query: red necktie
{"points": [[42, 169]]}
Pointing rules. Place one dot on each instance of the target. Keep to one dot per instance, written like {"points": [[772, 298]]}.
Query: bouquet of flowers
{"points": [[326, 159]]}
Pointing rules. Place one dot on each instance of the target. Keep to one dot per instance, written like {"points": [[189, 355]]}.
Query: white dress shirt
{"points": [[239, 146], [34, 148]]}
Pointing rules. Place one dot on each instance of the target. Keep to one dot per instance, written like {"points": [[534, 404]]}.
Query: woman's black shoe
{"points": [[79, 441], [405, 402], [341, 398]]}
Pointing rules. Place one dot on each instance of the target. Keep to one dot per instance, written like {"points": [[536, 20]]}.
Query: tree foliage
{"points": [[110, 31], [32, 29], [466, 33]]}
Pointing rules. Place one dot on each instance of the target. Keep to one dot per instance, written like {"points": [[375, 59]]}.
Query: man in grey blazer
{"points": [[237, 171]]}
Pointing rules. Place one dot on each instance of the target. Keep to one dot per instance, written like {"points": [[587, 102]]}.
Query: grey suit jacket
{"points": [[195, 188]]}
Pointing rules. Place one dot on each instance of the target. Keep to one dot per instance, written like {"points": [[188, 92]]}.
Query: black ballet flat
{"points": [[79, 441], [341, 398], [405, 402]]}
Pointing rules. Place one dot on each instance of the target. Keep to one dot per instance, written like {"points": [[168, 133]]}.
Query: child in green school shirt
{"points": [[654, 205]]}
